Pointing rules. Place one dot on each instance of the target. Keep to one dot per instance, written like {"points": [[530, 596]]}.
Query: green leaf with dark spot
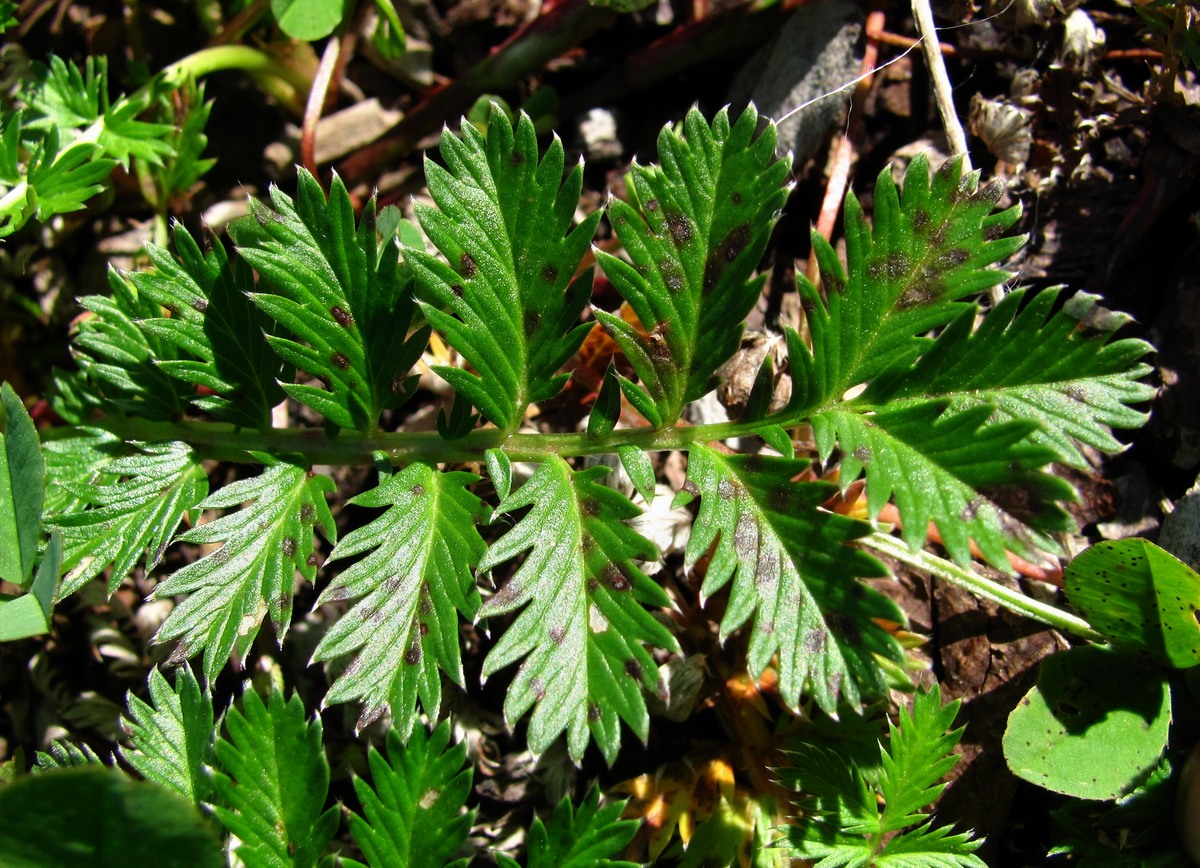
{"points": [[694, 235], [265, 542], [505, 296], [583, 629], [1093, 727], [411, 587], [1140, 597]]}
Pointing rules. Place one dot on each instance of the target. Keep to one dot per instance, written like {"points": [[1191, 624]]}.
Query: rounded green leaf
{"points": [[308, 19], [100, 818], [1093, 727], [1139, 597]]}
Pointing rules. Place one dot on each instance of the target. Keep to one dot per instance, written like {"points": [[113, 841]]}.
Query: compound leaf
{"points": [[415, 806], [220, 334], [583, 625], [844, 822], [506, 297], [341, 293], [252, 574], [701, 224], [171, 738], [791, 568], [128, 511], [273, 781], [417, 578], [585, 838]]}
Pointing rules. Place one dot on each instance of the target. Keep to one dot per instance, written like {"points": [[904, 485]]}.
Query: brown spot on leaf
{"points": [[343, 317], [557, 632], [651, 206], [308, 513], [457, 289], [422, 628], [736, 197], [516, 158], [200, 304], [339, 360], [862, 453], [921, 220], [615, 579], [413, 655], [531, 320], [417, 490], [549, 273], [312, 560], [593, 711], [633, 669], [680, 228], [466, 265], [289, 546], [538, 687], [952, 258]]}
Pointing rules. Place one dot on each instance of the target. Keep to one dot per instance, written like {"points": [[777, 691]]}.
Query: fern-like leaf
{"points": [[171, 738], [415, 805], [76, 101], [704, 220], [844, 823], [212, 321], [1028, 361], [343, 296], [273, 782], [792, 569], [129, 512], [416, 579], [506, 297], [975, 478], [583, 626], [253, 573], [927, 249], [590, 837], [122, 360]]}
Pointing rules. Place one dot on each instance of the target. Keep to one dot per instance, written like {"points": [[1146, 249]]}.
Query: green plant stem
{"points": [[976, 584], [227, 442], [275, 77]]}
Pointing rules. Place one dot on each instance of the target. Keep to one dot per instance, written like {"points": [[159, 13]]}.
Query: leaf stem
{"points": [[275, 77], [970, 581], [231, 443]]}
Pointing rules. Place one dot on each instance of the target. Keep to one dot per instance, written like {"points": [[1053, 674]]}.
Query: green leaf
{"points": [[253, 573], [702, 222], [927, 249], [66, 755], [1056, 368], [339, 293], [121, 360], [185, 110], [415, 806], [273, 783], [976, 478], [1140, 597], [919, 754], [844, 822], [29, 614], [171, 738], [506, 297], [220, 334], [1093, 727], [583, 625], [130, 513], [75, 102], [792, 569], [22, 474], [404, 630], [102, 819], [308, 20], [589, 837]]}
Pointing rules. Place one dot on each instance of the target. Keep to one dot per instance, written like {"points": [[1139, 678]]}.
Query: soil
{"points": [[1099, 142]]}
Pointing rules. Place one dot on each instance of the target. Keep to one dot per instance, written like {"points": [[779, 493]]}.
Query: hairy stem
{"points": [[979, 586]]}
